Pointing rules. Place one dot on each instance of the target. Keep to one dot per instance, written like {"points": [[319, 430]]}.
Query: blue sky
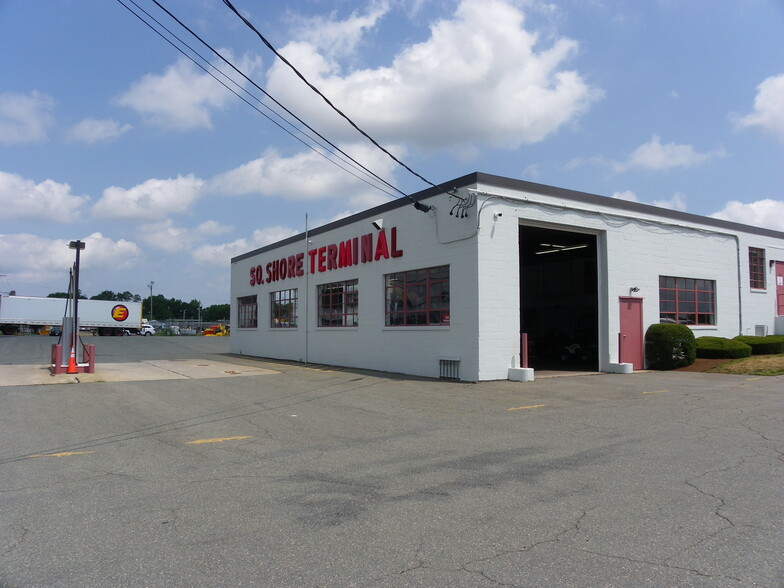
{"points": [[110, 135]]}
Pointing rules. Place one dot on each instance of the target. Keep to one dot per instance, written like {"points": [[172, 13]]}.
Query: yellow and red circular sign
{"points": [[120, 312]]}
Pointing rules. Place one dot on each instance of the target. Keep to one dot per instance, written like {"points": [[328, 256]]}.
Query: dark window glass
{"points": [[247, 312], [757, 268], [418, 297], [687, 301], [338, 304], [283, 309]]}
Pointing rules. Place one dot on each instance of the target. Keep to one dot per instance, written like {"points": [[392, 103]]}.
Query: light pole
{"points": [[78, 245], [150, 285]]}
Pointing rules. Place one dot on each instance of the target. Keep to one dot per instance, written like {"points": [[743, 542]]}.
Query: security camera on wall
{"points": [[378, 223]]}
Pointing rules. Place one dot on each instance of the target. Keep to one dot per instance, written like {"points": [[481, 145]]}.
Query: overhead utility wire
{"points": [[327, 100], [289, 112], [355, 164]]}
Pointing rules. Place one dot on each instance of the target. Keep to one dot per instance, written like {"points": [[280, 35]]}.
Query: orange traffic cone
{"points": [[72, 369]]}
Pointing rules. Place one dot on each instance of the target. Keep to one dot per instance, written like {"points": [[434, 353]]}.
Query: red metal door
{"points": [[780, 288], [631, 340]]}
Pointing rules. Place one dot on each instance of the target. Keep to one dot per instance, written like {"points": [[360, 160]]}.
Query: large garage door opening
{"points": [[559, 298]]}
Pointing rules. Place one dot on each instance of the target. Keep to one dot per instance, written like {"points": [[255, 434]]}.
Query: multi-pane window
{"points": [[757, 268], [283, 309], [687, 301], [338, 304], [247, 312], [417, 297]]}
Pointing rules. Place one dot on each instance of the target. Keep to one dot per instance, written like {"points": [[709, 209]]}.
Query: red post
{"points": [[88, 357], [524, 350]]}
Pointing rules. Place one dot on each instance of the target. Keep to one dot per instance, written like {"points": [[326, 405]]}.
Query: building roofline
{"points": [[524, 186]]}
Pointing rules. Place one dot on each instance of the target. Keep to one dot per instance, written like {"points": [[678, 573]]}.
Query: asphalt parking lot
{"points": [[241, 472]]}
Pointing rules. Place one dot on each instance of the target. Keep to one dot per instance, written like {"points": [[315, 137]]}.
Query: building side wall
{"points": [[370, 345], [479, 241], [632, 253]]}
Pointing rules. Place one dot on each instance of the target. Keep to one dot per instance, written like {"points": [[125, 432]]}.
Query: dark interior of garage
{"points": [[559, 298]]}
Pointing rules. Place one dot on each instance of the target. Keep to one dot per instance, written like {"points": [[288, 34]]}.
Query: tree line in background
{"points": [[163, 308]]}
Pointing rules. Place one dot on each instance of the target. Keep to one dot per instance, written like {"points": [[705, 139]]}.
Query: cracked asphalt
{"points": [[307, 476]]}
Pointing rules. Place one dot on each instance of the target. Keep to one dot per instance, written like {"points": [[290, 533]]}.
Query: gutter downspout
{"points": [[740, 288]]}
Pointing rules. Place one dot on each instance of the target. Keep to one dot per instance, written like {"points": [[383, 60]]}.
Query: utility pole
{"points": [[150, 285]]}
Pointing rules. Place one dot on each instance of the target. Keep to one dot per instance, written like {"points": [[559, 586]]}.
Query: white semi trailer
{"points": [[104, 317]]}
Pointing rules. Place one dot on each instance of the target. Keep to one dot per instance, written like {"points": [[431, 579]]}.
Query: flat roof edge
{"points": [[524, 186]]}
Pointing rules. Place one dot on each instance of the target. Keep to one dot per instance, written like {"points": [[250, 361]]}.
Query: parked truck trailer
{"points": [[104, 317]]}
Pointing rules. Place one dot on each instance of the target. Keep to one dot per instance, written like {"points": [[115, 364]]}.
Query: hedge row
{"points": [[669, 346], [770, 345], [721, 348]]}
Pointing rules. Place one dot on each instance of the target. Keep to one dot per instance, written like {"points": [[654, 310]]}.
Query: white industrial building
{"points": [[491, 278]]}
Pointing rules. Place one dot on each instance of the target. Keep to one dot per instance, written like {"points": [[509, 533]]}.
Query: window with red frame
{"points": [[247, 312], [757, 268], [417, 297], [283, 309], [338, 304], [687, 301]]}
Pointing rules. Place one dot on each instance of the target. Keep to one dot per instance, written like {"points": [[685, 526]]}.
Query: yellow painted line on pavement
{"points": [[527, 407], [752, 379], [62, 454], [655, 391], [217, 440]]}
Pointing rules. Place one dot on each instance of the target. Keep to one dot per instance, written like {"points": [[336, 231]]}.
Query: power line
{"points": [[346, 159], [327, 100]]}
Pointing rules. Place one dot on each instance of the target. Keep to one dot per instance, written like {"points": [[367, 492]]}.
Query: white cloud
{"points": [[25, 118], [164, 235], [35, 260], [653, 155], [167, 236], [627, 195], [47, 201], [183, 97], [306, 176], [532, 171], [105, 253], [340, 37], [676, 202], [768, 112], [92, 130], [212, 228], [480, 78], [657, 156], [766, 213], [150, 200], [220, 255]]}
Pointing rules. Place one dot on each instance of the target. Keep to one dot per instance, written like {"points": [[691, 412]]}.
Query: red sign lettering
{"points": [[329, 257]]}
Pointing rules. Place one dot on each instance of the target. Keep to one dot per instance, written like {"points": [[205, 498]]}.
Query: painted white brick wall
{"points": [[371, 345], [633, 252], [483, 255]]}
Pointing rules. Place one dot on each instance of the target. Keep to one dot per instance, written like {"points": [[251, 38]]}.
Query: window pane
{"points": [[247, 312], [418, 297], [338, 304], [690, 301], [283, 309]]}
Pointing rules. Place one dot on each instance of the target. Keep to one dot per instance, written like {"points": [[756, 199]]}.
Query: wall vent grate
{"points": [[449, 369]]}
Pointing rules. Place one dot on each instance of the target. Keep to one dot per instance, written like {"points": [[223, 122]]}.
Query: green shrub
{"points": [[669, 346], [770, 345], [721, 348]]}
